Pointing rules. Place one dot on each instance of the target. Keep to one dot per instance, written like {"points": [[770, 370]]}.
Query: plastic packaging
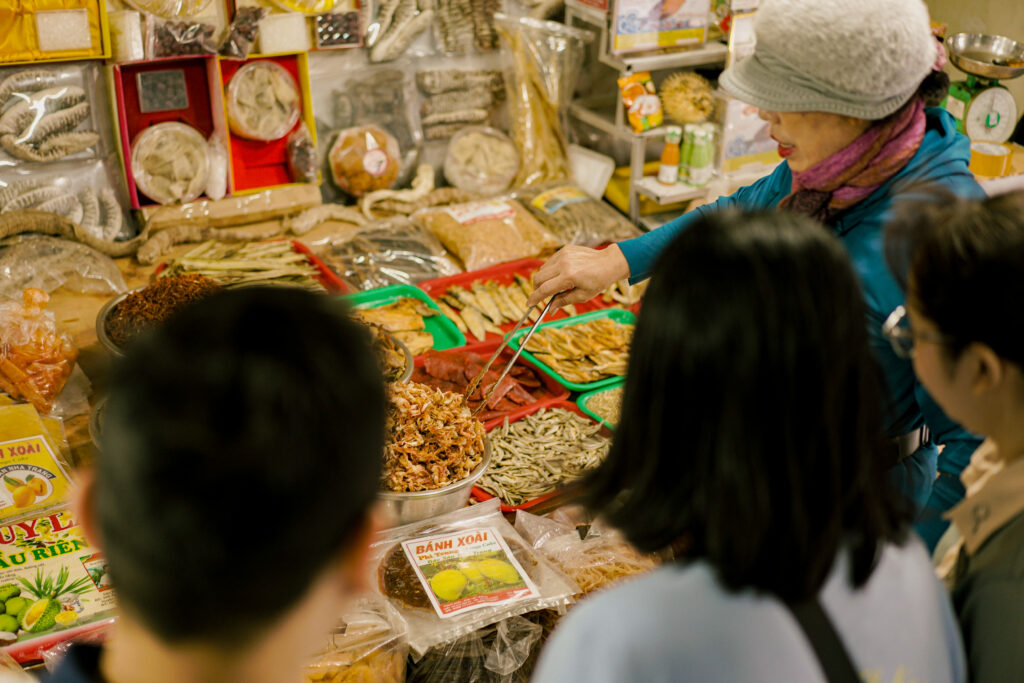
{"points": [[641, 101], [486, 233], [575, 217], [217, 182], [52, 656], [302, 160], [364, 159], [594, 562], [455, 96], [481, 160], [170, 162], [398, 582], [387, 252], [263, 101], [465, 26], [503, 653], [47, 112], [243, 32], [339, 30], [396, 27], [547, 58], [287, 32], [173, 38], [368, 644], [47, 263], [36, 358], [170, 9], [126, 36]]}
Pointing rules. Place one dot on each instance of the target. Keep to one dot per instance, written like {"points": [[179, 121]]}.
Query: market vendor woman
{"points": [[843, 87]]}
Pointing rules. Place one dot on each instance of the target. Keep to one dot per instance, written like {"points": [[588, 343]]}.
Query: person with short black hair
{"points": [[963, 265], [241, 453], [752, 449]]}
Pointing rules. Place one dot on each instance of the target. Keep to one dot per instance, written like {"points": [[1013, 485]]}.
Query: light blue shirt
{"points": [[679, 624]]}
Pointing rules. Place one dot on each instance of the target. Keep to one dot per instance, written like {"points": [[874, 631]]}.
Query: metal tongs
{"points": [[475, 384]]}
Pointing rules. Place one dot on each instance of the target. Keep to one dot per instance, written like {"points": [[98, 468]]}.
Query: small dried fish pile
{"points": [[432, 440], [586, 352], [622, 292], [540, 453], [454, 370], [251, 263], [405, 320], [607, 404], [486, 305]]}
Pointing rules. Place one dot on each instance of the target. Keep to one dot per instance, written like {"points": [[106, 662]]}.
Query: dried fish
{"points": [[624, 293], [541, 453], [231, 265], [450, 313], [584, 352]]}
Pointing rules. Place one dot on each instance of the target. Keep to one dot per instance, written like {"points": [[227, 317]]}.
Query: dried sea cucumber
{"points": [[57, 122], [112, 217], [21, 115], [30, 80], [33, 198], [90, 209], [66, 205]]}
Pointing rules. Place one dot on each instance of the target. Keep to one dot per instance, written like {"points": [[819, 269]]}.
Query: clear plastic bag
{"points": [[364, 159], [426, 629], [302, 160], [217, 180], [594, 562], [489, 232], [48, 263], [575, 217], [52, 656], [502, 653], [368, 644], [386, 252], [174, 38], [243, 32], [482, 160], [547, 58], [36, 358]]}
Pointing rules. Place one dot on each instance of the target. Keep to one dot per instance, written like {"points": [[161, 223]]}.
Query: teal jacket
{"points": [[941, 161]]}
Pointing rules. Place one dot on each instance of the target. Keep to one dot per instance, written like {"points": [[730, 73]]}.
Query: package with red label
{"points": [[489, 232], [364, 159]]}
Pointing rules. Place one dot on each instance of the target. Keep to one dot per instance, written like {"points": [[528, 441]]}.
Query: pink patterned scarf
{"points": [[850, 175]]}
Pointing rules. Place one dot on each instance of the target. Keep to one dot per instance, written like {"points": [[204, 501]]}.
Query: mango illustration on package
{"points": [[34, 477]]}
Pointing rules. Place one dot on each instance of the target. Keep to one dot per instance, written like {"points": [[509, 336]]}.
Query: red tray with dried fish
{"points": [[557, 445], [524, 387], [486, 304]]}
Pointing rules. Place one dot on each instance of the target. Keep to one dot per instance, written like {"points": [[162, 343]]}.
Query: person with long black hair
{"points": [[752, 449]]}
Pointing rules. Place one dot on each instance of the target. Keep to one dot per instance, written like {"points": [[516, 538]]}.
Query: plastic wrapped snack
{"points": [[244, 30], [177, 38], [503, 653], [302, 161], [368, 644], [575, 217], [486, 233], [170, 162], [470, 566], [36, 359], [385, 252], [364, 159], [263, 101], [47, 263], [481, 160]]}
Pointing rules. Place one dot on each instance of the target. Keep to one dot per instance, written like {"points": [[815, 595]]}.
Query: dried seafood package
{"points": [[48, 263], [466, 25], [368, 644], [481, 160], [36, 359], [486, 233], [574, 216], [171, 162], [547, 58], [364, 159], [387, 252], [397, 25], [487, 574], [263, 101], [456, 98]]}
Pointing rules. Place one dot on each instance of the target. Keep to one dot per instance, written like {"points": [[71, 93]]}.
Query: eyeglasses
{"points": [[897, 330]]}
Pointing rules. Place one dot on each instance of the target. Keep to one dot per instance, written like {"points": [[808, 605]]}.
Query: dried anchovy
{"points": [[540, 453], [607, 404]]}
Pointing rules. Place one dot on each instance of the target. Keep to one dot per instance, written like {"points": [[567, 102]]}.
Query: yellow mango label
{"points": [[31, 476]]}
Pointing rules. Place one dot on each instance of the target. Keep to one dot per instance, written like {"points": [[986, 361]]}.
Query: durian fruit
{"points": [[8, 591], [687, 97], [448, 584], [42, 615], [498, 570]]}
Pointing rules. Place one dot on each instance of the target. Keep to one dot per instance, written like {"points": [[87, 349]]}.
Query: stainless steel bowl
{"points": [[409, 362], [986, 55], [101, 324], [96, 422], [405, 508]]}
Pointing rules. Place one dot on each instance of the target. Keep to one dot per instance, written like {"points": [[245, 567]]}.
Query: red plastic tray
{"points": [[481, 495], [556, 393], [326, 277], [502, 274]]}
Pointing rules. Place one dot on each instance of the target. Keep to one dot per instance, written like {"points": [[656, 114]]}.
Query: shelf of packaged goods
{"points": [[667, 194]]}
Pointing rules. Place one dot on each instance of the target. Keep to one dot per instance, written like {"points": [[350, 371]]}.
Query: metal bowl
{"points": [[409, 363], [986, 55], [101, 324], [96, 422], [405, 508]]}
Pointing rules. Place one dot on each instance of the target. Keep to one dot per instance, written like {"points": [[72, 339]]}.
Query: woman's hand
{"points": [[579, 274]]}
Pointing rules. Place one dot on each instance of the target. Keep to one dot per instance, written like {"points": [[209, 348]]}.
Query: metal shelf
{"points": [[705, 55], [667, 194], [601, 114]]}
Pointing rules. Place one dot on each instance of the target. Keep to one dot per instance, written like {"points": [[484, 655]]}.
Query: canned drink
{"points": [[686, 151], [702, 156]]}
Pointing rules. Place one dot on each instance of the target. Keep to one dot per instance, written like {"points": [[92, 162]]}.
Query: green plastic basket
{"points": [[581, 401], [446, 335], [616, 314]]}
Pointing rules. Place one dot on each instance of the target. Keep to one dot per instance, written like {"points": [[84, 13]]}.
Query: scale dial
{"points": [[991, 115]]}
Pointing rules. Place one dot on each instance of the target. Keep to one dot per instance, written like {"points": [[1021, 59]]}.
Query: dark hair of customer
{"points": [[241, 450], [962, 264], [751, 430]]}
